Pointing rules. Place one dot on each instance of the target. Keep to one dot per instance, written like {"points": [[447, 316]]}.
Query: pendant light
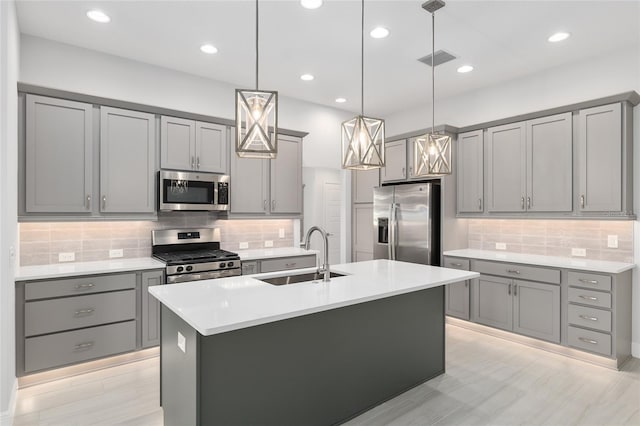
{"points": [[256, 112], [432, 152], [362, 137]]}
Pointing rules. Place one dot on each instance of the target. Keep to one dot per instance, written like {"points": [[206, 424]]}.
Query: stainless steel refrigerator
{"points": [[406, 223]]}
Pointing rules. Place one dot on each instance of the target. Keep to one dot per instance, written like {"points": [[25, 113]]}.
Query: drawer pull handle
{"points": [[290, 265], [85, 345], [82, 312], [588, 318], [582, 280], [590, 341], [513, 271], [456, 264], [85, 286], [588, 297]]}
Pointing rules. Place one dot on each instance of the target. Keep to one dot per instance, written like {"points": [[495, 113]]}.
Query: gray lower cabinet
{"points": [[150, 310], [59, 155], [579, 309], [395, 161], [193, 145], [127, 161], [456, 295], [278, 264], [64, 321], [263, 187], [470, 172], [600, 159]]}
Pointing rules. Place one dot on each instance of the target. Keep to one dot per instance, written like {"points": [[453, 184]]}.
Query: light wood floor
{"points": [[489, 381]]}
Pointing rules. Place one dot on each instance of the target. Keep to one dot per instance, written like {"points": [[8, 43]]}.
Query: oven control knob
{"points": [[230, 264], [189, 268], [180, 269], [222, 265]]}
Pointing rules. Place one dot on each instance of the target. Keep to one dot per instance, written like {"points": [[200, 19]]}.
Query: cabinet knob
{"points": [[264, 205], [509, 290], [104, 201], [522, 203], [582, 201], [479, 203], [198, 162], [528, 202], [88, 202], [193, 162], [273, 204], [590, 341]]}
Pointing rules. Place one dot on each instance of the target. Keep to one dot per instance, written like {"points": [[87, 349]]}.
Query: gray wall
{"points": [[9, 60]]}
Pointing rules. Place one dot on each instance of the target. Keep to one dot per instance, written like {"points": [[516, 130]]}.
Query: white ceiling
{"points": [[501, 39]]}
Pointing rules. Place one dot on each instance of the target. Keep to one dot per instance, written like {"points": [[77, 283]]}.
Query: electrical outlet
{"points": [[244, 246], [268, 243], [612, 241], [66, 257], [115, 253], [281, 233], [578, 252], [501, 246], [182, 342]]}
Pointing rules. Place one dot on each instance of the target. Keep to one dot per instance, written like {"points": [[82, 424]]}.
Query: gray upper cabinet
{"points": [[249, 191], [59, 150], [600, 159], [470, 171], [193, 145], [211, 147], [549, 164], [261, 187], [286, 176], [363, 183], [127, 161], [395, 161], [506, 159]]}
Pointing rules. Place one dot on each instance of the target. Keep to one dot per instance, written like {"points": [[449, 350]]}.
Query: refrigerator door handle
{"points": [[394, 231], [390, 231]]}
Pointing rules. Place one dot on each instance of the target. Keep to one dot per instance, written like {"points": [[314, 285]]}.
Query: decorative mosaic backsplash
{"points": [[41, 242], [554, 237]]}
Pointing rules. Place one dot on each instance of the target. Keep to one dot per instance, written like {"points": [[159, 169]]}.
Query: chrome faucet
{"points": [[307, 245]]}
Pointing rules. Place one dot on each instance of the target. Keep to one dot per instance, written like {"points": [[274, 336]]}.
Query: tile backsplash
{"points": [[41, 242], [554, 237]]}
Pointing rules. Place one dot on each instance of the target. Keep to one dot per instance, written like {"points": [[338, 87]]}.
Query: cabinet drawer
{"points": [[588, 340], [521, 272], [284, 263], [54, 350], [590, 297], [75, 286], [49, 316], [588, 280], [590, 317], [456, 263]]}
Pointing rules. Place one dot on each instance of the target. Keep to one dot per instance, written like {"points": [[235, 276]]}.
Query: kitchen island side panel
{"points": [[322, 368]]}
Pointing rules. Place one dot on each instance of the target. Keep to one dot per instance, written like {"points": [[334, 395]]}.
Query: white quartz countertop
{"points": [[221, 305], [271, 253], [534, 259], [60, 270]]}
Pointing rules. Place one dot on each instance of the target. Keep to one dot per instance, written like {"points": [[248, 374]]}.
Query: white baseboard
{"points": [[6, 417], [635, 349]]}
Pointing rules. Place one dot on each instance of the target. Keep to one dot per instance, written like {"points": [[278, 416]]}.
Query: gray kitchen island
{"points": [[242, 351]]}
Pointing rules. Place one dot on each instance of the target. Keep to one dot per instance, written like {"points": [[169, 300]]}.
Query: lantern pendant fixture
{"points": [[362, 137], [256, 113], [432, 151]]}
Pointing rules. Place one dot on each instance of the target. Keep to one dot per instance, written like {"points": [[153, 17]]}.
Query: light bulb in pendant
{"points": [[432, 148], [256, 108]]}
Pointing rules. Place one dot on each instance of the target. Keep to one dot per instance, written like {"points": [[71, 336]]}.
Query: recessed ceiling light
{"points": [[98, 16], [558, 37], [341, 100], [379, 32], [306, 77], [209, 48], [311, 4], [465, 68]]}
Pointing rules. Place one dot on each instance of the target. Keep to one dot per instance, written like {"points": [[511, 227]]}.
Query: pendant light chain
{"points": [[433, 72], [257, 50], [362, 60]]}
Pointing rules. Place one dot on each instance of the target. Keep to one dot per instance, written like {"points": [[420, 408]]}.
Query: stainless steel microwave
{"points": [[193, 191]]}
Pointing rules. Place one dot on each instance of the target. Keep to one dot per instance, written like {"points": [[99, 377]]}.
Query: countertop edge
{"points": [[53, 271], [603, 266]]}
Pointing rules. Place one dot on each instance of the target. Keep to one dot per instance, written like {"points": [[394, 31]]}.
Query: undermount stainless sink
{"points": [[298, 278]]}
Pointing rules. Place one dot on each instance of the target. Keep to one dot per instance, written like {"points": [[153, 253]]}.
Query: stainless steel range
{"points": [[193, 254]]}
